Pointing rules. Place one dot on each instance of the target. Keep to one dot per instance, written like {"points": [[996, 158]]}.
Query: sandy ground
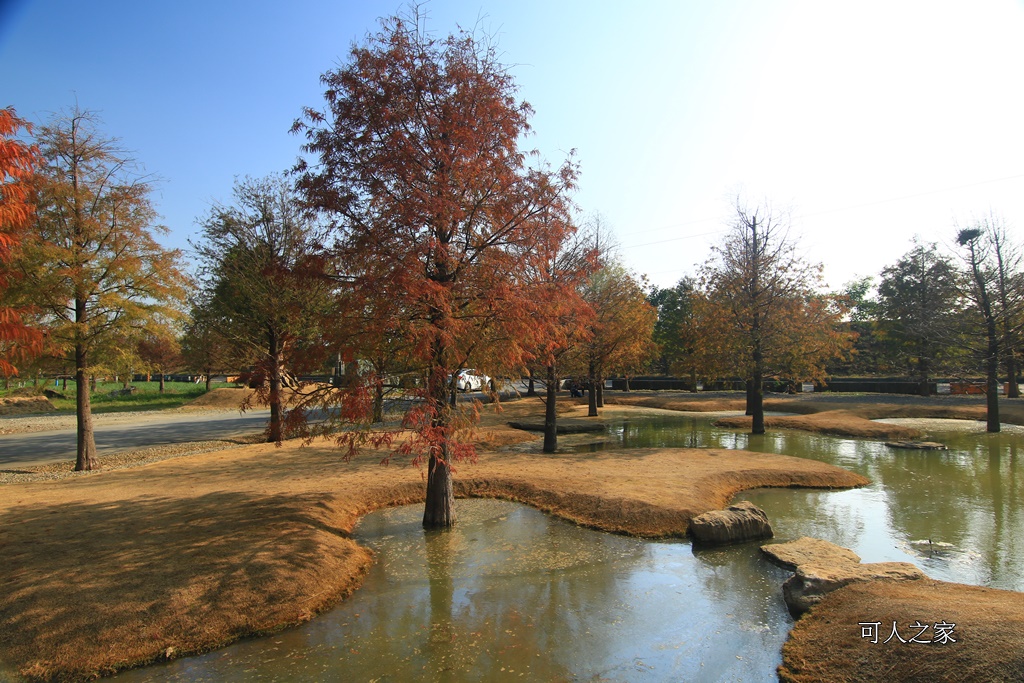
{"points": [[115, 569]]}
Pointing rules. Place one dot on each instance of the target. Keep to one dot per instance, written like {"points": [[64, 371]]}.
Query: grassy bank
{"points": [[108, 397], [822, 414]]}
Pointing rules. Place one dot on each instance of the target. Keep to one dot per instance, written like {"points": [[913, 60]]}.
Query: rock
{"points": [[743, 521], [821, 567], [917, 445]]}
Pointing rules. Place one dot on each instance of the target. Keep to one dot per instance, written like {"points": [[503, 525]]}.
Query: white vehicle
{"points": [[470, 380]]}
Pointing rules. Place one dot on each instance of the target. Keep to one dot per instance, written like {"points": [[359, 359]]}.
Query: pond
{"points": [[514, 593], [968, 501]]}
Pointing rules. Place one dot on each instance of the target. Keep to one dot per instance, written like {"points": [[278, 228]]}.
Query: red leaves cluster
{"points": [[18, 162]]}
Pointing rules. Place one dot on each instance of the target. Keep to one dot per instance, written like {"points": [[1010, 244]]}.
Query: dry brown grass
{"points": [[25, 405], [826, 643], [224, 398], [695, 404], [835, 422], [121, 568], [853, 419]]}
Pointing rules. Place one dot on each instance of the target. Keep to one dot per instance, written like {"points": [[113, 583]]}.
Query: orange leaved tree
{"points": [[263, 287], [18, 161], [416, 164], [763, 315], [622, 327], [92, 267]]}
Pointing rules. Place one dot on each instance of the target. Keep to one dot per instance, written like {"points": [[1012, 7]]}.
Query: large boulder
{"points": [[743, 521], [820, 567]]}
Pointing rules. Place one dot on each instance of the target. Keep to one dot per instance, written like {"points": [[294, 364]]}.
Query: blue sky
{"points": [[871, 121]]}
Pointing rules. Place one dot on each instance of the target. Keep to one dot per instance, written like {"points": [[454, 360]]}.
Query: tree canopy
{"points": [[918, 311], [266, 292], [18, 162], [766, 315], [434, 207], [92, 266]]}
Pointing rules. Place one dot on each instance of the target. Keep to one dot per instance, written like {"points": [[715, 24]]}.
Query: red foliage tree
{"points": [[569, 321], [18, 161], [437, 211]]}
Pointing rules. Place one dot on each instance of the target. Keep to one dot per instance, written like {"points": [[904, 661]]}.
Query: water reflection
{"points": [[966, 500], [513, 591]]}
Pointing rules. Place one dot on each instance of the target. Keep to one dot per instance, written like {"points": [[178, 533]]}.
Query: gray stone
{"points": [[743, 521], [821, 567]]}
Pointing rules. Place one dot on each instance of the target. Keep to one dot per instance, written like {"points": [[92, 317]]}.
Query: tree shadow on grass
{"points": [[92, 587]]}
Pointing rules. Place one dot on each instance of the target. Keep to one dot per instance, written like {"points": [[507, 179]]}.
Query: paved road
{"points": [[155, 429], [152, 429]]}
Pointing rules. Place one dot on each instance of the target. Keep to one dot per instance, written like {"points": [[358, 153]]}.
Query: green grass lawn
{"points": [[146, 397]]}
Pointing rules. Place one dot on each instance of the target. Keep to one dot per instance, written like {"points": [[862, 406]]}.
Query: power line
{"points": [[685, 237]]}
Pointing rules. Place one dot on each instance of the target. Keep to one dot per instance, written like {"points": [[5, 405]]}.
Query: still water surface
{"points": [[968, 500], [513, 593]]}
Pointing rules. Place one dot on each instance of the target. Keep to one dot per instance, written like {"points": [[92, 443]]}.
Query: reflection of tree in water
{"points": [[821, 514], [509, 587], [969, 497]]}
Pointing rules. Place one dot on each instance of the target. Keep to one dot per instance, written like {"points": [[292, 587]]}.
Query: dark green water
{"points": [[512, 593]]}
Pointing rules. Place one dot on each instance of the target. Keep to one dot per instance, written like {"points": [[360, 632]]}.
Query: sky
{"points": [[867, 123]]}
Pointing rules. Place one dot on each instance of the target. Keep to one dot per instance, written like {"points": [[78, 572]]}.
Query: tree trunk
{"points": [[1012, 387], [693, 380], [750, 397], [209, 373], [531, 390], [600, 390], [591, 390], [378, 401], [924, 387], [83, 414], [161, 382], [439, 511], [627, 383], [274, 376], [757, 394], [992, 379], [550, 415]]}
